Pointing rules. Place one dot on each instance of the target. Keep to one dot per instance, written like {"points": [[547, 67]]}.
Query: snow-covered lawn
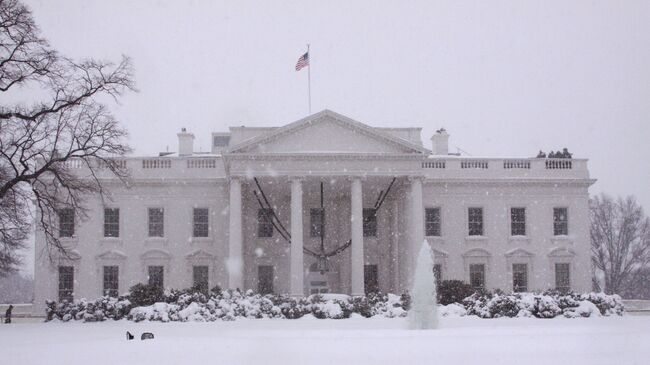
{"points": [[466, 340]]}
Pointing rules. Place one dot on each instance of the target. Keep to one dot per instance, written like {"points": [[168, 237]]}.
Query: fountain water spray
{"points": [[424, 306]]}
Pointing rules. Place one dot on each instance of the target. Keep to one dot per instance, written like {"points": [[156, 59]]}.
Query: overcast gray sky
{"points": [[506, 78]]}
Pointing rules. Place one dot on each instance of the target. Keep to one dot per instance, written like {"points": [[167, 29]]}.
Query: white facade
{"points": [[354, 163]]}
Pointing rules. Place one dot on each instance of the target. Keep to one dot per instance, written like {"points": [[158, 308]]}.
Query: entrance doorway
{"points": [[318, 283]]}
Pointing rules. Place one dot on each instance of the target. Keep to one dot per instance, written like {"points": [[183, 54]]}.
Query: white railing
{"points": [[474, 164], [559, 164], [516, 164], [202, 163], [73, 163], [433, 165], [156, 163]]}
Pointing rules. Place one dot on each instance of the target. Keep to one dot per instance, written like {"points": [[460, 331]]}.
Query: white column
{"points": [[235, 262], [417, 222], [394, 249], [356, 254], [297, 268]]}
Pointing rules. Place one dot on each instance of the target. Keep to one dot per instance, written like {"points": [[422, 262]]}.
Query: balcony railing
{"points": [[495, 168]]}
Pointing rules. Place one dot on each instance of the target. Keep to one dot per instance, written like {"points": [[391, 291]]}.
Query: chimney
{"points": [[440, 142], [185, 143]]}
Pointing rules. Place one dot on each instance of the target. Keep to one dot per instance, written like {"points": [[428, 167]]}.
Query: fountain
{"points": [[424, 307]]}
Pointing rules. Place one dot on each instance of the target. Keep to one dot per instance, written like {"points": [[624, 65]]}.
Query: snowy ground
{"points": [[467, 340]]}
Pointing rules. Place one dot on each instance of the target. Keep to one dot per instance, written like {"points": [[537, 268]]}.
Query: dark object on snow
{"points": [[8, 313], [541, 154], [565, 153], [129, 336], [147, 336]]}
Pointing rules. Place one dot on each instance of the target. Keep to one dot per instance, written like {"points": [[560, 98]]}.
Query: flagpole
{"points": [[309, 77]]}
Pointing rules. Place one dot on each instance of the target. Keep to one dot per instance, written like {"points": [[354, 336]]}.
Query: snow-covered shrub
{"points": [[545, 305], [452, 310], [607, 304], [453, 291], [94, 311], [144, 294]]}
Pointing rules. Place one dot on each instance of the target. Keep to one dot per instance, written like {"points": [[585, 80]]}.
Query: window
{"points": [[156, 276], [156, 222], [66, 283], [519, 277], [201, 222], [477, 276], [475, 220], [370, 279], [111, 280], [317, 222], [265, 222], [265, 277], [369, 222], [517, 221], [560, 222], [200, 278], [432, 221], [111, 222], [220, 141], [437, 272], [66, 222], [562, 277]]}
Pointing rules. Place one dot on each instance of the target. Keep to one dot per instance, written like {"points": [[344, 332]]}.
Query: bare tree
{"points": [[620, 242], [40, 139]]}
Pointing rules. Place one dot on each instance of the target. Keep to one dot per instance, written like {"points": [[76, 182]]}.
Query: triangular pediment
{"points": [[328, 133]]}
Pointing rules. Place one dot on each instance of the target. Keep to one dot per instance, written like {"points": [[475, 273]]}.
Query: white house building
{"points": [[325, 204]]}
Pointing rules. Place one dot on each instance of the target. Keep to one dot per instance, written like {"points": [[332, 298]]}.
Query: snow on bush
{"points": [[542, 305], [195, 306]]}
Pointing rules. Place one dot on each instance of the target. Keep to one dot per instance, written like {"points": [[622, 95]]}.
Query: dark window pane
{"points": [[66, 222], [371, 279], [201, 278], [477, 276], [66, 283], [111, 281], [111, 222], [560, 222], [265, 223], [265, 277], [518, 221], [201, 222], [369, 222], [157, 276], [317, 222], [156, 222], [475, 219], [432, 221], [562, 277], [520, 277]]}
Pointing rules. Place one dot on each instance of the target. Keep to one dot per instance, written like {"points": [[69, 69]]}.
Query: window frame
{"points": [[198, 275], [202, 228], [518, 228], [265, 227], [64, 278], [432, 228], [316, 229], [113, 225], [369, 222], [151, 226], [483, 275], [151, 279], [66, 228], [517, 269], [110, 278], [561, 226], [471, 231], [558, 286]]}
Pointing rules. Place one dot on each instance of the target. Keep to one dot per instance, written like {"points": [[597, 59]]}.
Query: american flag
{"points": [[303, 62]]}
